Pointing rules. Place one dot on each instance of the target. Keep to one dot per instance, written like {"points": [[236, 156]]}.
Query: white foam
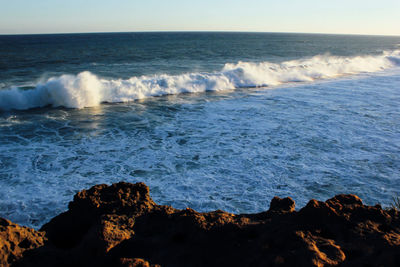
{"points": [[88, 90]]}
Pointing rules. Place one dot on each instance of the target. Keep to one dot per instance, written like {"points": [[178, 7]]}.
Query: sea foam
{"points": [[87, 90]]}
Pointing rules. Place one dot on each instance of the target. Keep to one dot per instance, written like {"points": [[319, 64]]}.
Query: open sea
{"points": [[207, 120]]}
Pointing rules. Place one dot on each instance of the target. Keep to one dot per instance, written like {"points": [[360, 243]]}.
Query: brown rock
{"points": [[282, 204], [345, 200], [325, 252], [88, 206], [120, 225], [15, 240], [125, 262]]}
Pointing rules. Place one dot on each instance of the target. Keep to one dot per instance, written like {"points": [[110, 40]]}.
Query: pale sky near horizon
{"points": [[313, 16]]}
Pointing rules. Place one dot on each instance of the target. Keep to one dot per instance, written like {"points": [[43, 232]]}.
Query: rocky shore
{"points": [[120, 225]]}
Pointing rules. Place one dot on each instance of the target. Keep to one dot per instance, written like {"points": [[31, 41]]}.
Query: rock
{"points": [[15, 240], [324, 251], [120, 225], [125, 262], [88, 207], [345, 200], [282, 204]]}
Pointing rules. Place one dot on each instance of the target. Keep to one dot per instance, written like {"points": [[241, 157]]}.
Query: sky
{"points": [[312, 16]]}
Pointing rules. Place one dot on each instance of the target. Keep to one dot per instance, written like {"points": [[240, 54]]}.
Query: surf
{"points": [[85, 89]]}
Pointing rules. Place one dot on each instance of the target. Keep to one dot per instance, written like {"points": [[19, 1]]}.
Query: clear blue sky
{"points": [[324, 16]]}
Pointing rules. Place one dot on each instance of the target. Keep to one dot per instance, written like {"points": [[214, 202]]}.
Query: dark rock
{"points": [[88, 207], [120, 225], [345, 200], [125, 262], [282, 204]]}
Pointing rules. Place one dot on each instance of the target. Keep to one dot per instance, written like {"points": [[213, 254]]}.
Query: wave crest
{"points": [[87, 90]]}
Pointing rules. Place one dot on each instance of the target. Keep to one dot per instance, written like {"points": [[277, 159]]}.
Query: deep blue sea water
{"points": [[207, 120]]}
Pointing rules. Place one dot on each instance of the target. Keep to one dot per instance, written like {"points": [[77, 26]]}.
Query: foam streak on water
{"points": [[88, 90]]}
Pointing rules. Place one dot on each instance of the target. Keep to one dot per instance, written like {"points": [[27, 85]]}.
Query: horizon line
{"points": [[196, 31]]}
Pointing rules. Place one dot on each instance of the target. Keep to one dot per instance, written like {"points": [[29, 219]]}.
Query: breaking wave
{"points": [[87, 90]]}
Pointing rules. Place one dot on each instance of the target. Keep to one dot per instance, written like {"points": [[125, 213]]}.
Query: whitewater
{"points": [[88, 90]]}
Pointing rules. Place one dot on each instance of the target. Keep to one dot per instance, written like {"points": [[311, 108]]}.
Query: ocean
{"points": [[207, 120]]}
